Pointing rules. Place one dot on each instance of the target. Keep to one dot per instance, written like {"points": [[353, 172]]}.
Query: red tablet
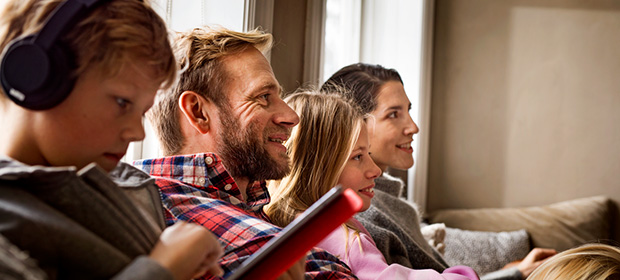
{"points": [[296, 239]]}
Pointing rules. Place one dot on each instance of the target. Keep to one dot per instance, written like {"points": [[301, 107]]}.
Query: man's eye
{"points": [[264, 96], [123, 103]]}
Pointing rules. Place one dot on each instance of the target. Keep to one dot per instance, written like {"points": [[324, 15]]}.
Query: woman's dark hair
{"points": [[361, 83]]}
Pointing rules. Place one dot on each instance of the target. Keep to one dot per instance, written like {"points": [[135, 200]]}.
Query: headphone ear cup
{"points": [[34, 78], [61, 77]]}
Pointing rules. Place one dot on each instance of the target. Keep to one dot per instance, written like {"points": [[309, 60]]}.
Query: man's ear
{"points": [[194, 108]]}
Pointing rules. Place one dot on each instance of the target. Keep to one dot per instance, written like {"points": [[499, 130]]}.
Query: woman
{"points": [[393, 223], [330, 147]]}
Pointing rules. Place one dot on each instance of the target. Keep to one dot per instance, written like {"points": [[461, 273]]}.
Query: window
{"points": [[182, 16]]}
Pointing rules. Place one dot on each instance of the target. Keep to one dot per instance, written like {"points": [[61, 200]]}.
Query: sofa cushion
{"points": [[559, 226], [485, 251]]}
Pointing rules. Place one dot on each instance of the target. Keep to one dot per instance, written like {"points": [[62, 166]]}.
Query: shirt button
{"points": [[201, 181], [228, 187], [208, 160]]}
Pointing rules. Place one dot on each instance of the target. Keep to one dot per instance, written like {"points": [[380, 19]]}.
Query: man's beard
{"points": [[244, 153]]}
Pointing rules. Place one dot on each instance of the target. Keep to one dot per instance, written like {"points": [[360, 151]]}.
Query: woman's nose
{"points": [[411, 128]]}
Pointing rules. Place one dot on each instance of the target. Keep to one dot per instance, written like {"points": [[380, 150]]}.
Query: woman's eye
{"points": [[357, 157], [392, 115]]}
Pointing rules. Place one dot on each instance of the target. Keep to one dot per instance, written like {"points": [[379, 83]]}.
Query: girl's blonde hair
{"points": [[319, 147], [590, 261]]}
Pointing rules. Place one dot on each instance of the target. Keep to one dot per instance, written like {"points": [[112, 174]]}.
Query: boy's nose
{"points": [[134, 132]]}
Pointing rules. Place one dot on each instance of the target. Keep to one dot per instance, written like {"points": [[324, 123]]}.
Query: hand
{"points": [[295, 272], [533, 260], [188, 251]]}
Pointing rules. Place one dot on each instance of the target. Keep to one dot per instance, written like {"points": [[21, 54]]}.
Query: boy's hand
{"points": [[188, 251], [295, 272]]}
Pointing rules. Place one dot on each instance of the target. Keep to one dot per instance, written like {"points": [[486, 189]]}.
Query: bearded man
{"points": [[222, 129]]}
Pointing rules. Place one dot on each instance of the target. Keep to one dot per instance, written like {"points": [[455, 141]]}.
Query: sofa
{"points": [[486, 239]]}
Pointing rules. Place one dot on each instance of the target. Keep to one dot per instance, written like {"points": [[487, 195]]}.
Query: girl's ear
{"points": [[194, 108]]}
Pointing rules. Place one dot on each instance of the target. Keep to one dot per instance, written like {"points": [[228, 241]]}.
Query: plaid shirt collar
{"points": [[206, 172]]}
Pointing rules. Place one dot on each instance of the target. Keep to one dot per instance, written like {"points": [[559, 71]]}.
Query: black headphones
{"points": [[36, 70]]}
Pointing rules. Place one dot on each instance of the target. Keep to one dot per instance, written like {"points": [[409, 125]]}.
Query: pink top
{"points": [[367, 262]]}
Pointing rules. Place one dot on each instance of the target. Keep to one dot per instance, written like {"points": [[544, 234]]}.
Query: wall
{"points": [[525, 102], [287, 56]]}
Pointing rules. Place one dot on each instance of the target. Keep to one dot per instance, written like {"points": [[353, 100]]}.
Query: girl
{"points": [[327, 148]]}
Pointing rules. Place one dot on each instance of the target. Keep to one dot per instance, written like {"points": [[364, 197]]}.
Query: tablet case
{"points": [[296, 239]]}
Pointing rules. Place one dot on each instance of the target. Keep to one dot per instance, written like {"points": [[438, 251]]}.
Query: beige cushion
{"points": [[560, 226]]}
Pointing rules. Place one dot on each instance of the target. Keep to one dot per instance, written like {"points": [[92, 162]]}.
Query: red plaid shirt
{"points": [[198, 189]]}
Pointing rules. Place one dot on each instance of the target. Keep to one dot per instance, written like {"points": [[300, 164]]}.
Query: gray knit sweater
{"points": [[394, 224], [81, 224]]}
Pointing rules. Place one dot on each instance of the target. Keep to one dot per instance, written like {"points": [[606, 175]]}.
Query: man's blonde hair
{"points": [[199, 53], [587, 262], [112, 35], [319, 148]]}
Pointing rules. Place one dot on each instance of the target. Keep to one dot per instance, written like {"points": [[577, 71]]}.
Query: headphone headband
{"points": [[60, 18]]}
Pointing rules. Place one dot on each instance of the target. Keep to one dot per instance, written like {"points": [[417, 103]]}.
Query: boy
{"points": [[79, 224]]}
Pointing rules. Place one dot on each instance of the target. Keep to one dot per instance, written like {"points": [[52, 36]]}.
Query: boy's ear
{"points": [[194, 108]]}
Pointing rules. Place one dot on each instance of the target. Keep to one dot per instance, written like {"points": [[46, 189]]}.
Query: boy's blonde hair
{"points": [[199, 53], [319, 148], [587, 262], [112, 35]]}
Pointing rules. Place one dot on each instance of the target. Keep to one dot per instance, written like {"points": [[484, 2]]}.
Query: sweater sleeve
{"points": [[512, 273], [144, 267]]}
